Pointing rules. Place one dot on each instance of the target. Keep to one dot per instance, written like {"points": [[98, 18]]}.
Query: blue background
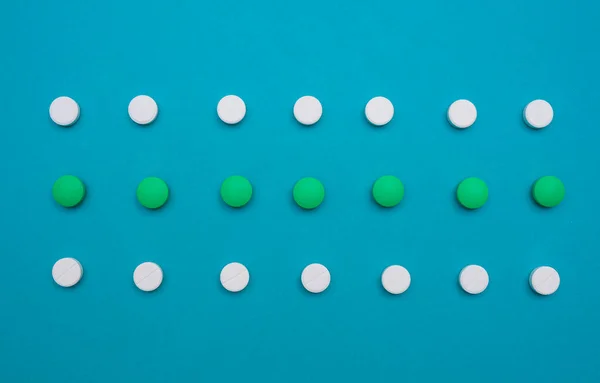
{"points": [[187, 55]]}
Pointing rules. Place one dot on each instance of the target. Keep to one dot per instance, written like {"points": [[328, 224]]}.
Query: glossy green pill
{"points": [[309, 193], [236, 191], [68, 191], [472, 193], [388, 191], [152, 192], [548, 191]]}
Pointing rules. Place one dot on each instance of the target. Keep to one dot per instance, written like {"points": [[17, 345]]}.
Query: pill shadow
{"points": [[308, 293], [141, 126], [233, 295], [387, 295], [234, 210], [460, 209], [149, 211]]}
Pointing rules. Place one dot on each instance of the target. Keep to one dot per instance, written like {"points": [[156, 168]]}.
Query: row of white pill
{"points": [[315, 277], [308, 110]]}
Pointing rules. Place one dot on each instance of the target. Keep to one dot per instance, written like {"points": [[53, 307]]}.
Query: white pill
{"points": [[64, 111], [538, 114], [148, 276], [462, 114], [379, 111], [315, 278], [67, 272], [308, 110], [544, 280], [143, 110], [234, 277], [474, 279], [395, 279], [231, 109]]}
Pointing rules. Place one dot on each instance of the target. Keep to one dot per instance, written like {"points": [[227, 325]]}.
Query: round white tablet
{"points": [[148, 276], [379, 111], [143, 110], [544, 280], [235, 277], [474, 279], [67, 272], [538, 114], [462, 114], [315, 278], [64, 111], [308, 110], [231, 109], [395, 279]]}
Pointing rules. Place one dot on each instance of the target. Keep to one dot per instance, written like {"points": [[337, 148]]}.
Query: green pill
{"points": [[152, 192], [309, 193], [472, 193], [548, 191], [68, 191], [236, 191], [388, 191]]}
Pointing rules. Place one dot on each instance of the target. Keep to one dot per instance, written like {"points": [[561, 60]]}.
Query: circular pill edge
{"points": [[242, 271], [323, 271], [471, 268], [59, 102], [308, 105], [394, 274], [461, 106], [142, 109], [378, 102], [156, 268], [76, 263], [224, 106]]}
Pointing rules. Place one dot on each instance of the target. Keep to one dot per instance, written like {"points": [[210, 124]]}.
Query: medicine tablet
{"points": [[143, 110], [231, 109], [538, 114], [544, 280], [462, 114], [67, 272], [234, 277], [395, 279], [308, 110], [64, 111], [315, 278], [148, 276], [474, 279], [379, 111]]}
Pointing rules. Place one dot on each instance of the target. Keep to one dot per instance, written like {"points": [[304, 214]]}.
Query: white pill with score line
{"points": [[315, 278], [67, 272], [308, 110], [234, 277], [544, 280], [143, 109], [474, 279], [231, 109], [379, 111], [148, 276], [395, 279], [64, 111]]}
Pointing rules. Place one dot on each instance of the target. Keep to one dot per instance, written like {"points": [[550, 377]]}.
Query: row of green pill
{"points": [[236, 191]]}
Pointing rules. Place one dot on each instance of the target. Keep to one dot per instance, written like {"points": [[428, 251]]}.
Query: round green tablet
{"points": [[472, 193], [68, 191], [152, 192], [236, 191], [548, 191], [309, 193], [388, 191]]}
